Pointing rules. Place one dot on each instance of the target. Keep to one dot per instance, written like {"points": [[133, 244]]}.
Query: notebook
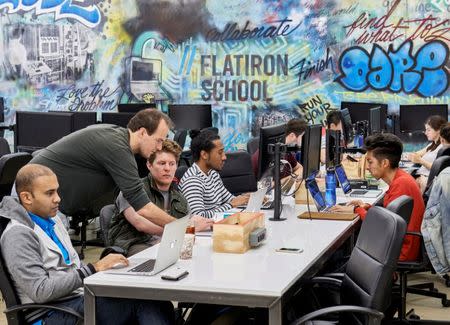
{"points": [[168, 252]]}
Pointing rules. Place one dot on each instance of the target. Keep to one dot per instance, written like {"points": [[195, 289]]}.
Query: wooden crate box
{"points": [[231, 235]]}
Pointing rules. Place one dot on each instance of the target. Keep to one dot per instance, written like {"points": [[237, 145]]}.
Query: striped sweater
{"points": [[205, 193]]}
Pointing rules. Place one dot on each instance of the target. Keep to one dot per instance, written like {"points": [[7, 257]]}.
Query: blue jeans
{"points": [[116, 311]]}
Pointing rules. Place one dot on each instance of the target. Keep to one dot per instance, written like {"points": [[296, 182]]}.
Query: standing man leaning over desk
{"points": [[383, 155], [45, 267], [93, 162], [201, 184]]}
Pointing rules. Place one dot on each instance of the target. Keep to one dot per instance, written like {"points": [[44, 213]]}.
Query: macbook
{"points": [[168, 252], [316, 194], [255, 201], [346, 188]]}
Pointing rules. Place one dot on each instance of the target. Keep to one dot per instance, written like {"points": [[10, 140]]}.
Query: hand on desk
{"points": [[415, 158], [240, 200], [202, 224], [349, 207], [109, 261]]}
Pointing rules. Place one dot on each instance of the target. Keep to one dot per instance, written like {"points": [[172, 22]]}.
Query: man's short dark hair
{"points": [[296, 126], [445, 132], [385, 146], [148, 119], [202, 140], [334, 117]]}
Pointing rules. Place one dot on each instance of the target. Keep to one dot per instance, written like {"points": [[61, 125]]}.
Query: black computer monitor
{"points": [[35, 130], [80, 119], [412, 117], [2, 109], [311, 150], [268, 135], [333, 151], [120, 119], [134, 107], [191, 116], [347, 125], [375, 120], [361, 111]]}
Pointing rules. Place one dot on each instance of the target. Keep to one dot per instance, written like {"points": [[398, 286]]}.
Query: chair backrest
{"points": [[368, 277], [252, 145], [180, 171], [403, 206], [6, 283], [9, 166], [106, 214], [4, 147], [180, 137], [445, 151], [237, 173], [438, 165]]}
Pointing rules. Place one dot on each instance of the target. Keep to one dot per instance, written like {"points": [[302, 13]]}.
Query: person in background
{"points": [[45, 267], [427, 155], [445, 135], [201, 183], [134, 233], [383, 156], [334, 122], [295, 129]]}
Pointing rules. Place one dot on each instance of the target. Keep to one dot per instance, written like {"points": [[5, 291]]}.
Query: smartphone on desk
{"points": [[289, 250], [174, 274]]}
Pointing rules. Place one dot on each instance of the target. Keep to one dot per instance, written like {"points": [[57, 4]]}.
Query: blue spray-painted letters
{"points": [[87, 15], [398, 70]]}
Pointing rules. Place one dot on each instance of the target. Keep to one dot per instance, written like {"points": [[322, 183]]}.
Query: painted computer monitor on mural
{"points": [[145, 79]]}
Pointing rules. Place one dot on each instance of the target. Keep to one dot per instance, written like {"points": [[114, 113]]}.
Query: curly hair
{"points": [[168, 146]]}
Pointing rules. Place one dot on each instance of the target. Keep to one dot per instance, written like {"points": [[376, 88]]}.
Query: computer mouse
{"points": [[118, 266]]}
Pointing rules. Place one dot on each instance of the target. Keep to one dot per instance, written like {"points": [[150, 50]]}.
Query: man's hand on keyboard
{"points": [[202, 224], [109, 261]]}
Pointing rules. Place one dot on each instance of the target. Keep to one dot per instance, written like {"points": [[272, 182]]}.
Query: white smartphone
{"points": [[174, 274], [289, 250]]}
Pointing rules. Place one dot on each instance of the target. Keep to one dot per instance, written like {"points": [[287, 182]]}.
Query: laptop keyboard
{"points": [[359, 192], [147, 266]]}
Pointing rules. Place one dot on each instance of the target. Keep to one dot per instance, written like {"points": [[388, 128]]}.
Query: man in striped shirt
{"points": [[201, 185]]}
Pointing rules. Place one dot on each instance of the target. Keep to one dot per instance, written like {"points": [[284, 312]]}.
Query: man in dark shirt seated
{"points": [[134, 233], [295, 129], [45, 267]]}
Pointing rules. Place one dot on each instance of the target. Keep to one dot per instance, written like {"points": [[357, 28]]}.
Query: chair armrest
{"points": [[372, 313], [37, 306], [325, 280], [338, 276]]}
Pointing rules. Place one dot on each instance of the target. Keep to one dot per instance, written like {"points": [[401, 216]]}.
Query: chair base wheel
{"points": [[445, 302]]}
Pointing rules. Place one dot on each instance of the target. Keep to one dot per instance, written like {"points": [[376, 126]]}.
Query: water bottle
{"points": [[330, 188]]}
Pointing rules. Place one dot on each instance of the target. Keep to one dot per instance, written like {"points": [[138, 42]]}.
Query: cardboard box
{"points": [[231, 234]]}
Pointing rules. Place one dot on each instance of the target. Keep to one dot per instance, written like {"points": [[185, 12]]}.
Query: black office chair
{"points": [[180, 137], [438, 165], [21, 314], [4, 147], [365, 287], [252, 145], [403, 206], [180, 172], [106, 214], [445, 151], [237, 173], [9, 166]]}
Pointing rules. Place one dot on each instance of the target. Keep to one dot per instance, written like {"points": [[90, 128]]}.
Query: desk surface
{"points": [[258, 278]]}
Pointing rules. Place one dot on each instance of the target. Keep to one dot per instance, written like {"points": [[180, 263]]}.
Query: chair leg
{"points": [[447, 280], [427, 285], [403, 291]]}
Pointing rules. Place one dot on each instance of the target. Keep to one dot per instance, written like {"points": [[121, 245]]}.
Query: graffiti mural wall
{"points": [[256, 61]]}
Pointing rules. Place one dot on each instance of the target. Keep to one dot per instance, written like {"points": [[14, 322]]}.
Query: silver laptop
{"points": [[346, 188], [256, 200], [168, 252]]}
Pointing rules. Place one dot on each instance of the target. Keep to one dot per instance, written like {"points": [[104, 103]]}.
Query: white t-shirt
{"points": [[429, 156]]}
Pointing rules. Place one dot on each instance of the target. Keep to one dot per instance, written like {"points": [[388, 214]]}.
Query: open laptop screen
{"points": [[342, 178], [314, 190]]}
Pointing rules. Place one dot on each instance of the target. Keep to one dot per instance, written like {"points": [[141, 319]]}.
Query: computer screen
{"points": [[134, 107], [347, 126], [361, 111], [268, 135], [342, 178], [332, 151], [375, 120], [191, 116], [120, 119], [315, 192], [2, 109], [80, 119], [413, 117], [311, 150], [36, 130]]}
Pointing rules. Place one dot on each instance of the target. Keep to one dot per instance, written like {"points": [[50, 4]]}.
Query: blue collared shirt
{"points": [[47, 225]]}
